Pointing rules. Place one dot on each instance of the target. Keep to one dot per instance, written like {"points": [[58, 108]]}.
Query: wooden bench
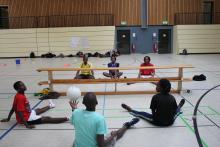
{"points": [[179, 79]]}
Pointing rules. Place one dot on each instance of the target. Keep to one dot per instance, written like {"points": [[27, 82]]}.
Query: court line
{"points": [[114, 128], [192, 130], [103, 106], [201, 112], [12, 127], [126, 116], [212, 109]]}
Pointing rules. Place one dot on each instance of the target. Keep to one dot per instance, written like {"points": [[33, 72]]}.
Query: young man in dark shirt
{"points": [[113, 73], [163, 105]]}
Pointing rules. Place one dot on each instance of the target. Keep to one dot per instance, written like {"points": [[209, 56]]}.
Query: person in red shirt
{"points": [[146, 72], [24, 114]]}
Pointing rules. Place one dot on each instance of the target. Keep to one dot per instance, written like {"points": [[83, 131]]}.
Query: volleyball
{"points": [[73, 93]]}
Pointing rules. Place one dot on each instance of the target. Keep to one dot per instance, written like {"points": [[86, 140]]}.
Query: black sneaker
{"points": [[182, 102], [126, 107], [131, 123]]}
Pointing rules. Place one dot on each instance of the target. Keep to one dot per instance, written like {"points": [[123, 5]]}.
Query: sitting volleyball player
{"points": [[146, 72], [163, 106], [24, 114], [85, 74], [90, 126], [113, 73]]}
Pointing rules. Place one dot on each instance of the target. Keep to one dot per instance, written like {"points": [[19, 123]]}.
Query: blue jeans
{"points": [[149, 117]]}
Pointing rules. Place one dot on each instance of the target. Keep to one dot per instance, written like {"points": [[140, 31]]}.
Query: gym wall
{"points": [[21, 42], [122, 10], [196, 38]]}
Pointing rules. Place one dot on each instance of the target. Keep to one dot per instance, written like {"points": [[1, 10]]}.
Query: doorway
{"points": [[207, 12], [123, 41], [164, 44], [4, 22]]}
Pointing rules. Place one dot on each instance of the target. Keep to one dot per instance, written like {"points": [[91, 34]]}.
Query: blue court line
{"points": [[12, 127]]}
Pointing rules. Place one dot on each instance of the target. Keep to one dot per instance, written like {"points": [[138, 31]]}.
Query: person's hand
{"points": [[4, 120], [73, 104], [152, 74], [30, 126]]}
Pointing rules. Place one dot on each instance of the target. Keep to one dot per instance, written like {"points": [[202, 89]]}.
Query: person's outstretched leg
{"points": [[115, 135], [140, 114], [178, 110], [47, 119], [182, 102], [126, 126], [44, 109]]}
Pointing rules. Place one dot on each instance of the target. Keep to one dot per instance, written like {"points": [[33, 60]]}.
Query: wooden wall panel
{"points": [[197, 38], [20, 42], [3, 2], [123, 10]]}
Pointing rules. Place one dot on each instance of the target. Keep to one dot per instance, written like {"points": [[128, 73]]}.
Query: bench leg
{"points": [[179, 86], [50, 78], [115, 87]]}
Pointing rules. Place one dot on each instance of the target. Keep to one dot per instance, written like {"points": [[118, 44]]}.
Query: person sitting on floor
{"points": [[90, 126], [163, 106], [113, 73], [146, 72], [85, 74], [24, 114]]}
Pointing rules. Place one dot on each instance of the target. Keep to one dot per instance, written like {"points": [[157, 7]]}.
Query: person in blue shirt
{"points": [[90, 126], [113, 73]]}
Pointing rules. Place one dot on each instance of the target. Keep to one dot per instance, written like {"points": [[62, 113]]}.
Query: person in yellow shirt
{"points": [[85, 74]]}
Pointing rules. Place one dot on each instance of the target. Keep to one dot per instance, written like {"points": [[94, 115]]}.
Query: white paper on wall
{"points": [[85, 43], [74, 42]]}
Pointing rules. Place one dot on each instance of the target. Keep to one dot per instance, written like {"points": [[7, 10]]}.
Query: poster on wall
{"points": [[85, 43], [74, 42]]}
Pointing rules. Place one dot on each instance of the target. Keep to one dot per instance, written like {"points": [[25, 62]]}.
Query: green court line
{"points": [[199, 114], [192, 130], [213, 110]]}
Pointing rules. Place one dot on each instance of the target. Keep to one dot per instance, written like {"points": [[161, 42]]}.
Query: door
{"points": [[164, 41], [207, 12], [123, 41], [4, 24]]}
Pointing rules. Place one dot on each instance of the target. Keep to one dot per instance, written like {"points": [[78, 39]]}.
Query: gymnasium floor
{"points": [[143, 134]]}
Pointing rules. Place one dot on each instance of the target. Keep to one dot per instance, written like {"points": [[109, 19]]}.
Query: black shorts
{"points": [[35, 122]]}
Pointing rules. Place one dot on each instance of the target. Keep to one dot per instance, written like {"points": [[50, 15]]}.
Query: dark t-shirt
{"points": [[164, 108], [113, 65]]}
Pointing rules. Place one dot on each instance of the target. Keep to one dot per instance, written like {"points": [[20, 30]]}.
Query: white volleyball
{"points": [[73, 93]]}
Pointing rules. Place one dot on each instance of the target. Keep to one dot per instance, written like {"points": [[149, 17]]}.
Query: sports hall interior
{"points": [[172, 32]]}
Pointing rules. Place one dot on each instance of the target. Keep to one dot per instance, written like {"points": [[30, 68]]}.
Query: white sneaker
{"points": [[51, 104]]}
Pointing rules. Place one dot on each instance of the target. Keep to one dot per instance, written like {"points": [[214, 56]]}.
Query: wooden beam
{"points": [[102, 81], [119, 68], [122, 92]]}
